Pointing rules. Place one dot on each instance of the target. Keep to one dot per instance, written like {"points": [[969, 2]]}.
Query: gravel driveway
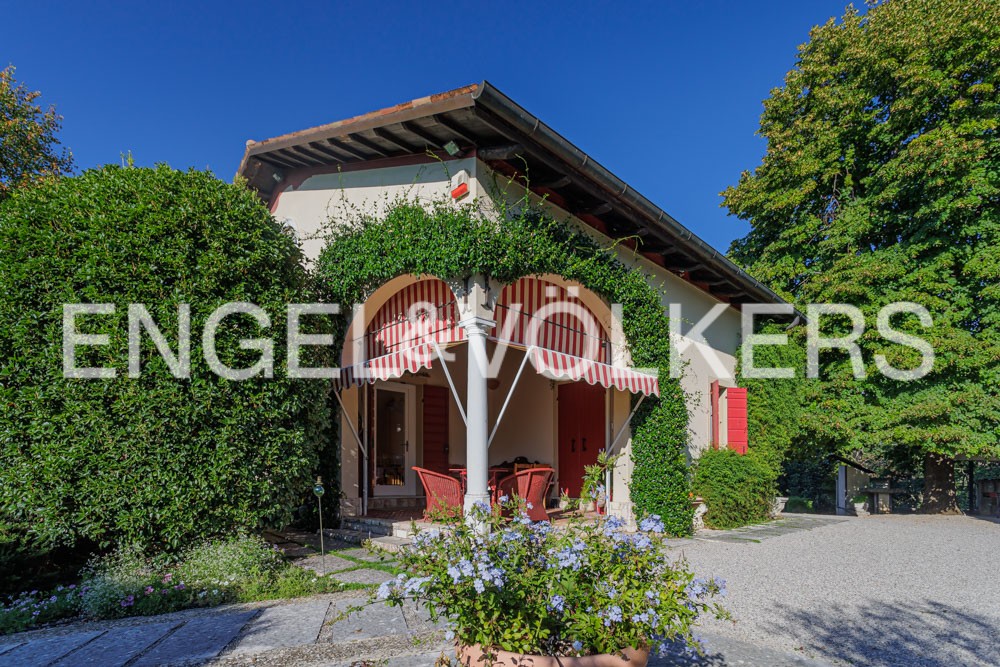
{"points": [[889, 590]]}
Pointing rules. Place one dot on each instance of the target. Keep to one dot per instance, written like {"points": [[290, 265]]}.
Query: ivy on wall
{"points": [[448, 241]]}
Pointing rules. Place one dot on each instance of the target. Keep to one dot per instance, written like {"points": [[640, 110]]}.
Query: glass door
{"points": [[395, 449]]}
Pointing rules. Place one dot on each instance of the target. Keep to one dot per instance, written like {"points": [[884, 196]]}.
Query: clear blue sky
{"points": [[667, 96]]}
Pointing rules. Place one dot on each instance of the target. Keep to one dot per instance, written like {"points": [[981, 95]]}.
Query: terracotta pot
{"points": [[473, 656]]}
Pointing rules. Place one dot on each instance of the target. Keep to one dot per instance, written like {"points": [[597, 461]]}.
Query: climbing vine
{"points": [[508, 242]]}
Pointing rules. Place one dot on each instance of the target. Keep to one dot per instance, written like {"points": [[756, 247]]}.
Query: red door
{"points": [[581, 432], [436, 428]]}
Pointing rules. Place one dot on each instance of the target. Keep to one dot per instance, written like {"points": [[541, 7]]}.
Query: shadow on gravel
{"points": [[677, 656], [927, 635]]}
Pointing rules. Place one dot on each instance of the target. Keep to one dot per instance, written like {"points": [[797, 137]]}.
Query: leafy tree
{"points": [[881, 183], [28, 143], [156, 460]]}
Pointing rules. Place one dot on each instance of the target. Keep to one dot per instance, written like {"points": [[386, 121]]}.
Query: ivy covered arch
{"points": [[448, 241]]}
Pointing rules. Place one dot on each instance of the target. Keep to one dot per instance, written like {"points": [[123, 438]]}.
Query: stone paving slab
{"points": [[364, 554], [325, 564], [9, 647], [363, 576], [117, 646], [198, 639], [41, 652], [283, 626], [377, 620]]}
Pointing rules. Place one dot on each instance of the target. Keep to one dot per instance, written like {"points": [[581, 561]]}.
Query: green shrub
{"points": [[799, 505], [738, 489], [235, 563], [154, 461], [242, 568]]}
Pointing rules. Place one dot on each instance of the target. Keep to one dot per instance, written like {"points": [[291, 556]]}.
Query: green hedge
{"points": [[154, 461], [738, 489], [448, 241]]}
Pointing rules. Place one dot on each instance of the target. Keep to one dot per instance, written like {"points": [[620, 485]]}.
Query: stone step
{"points": [[374, 527], [390, 544], [347, 535]]}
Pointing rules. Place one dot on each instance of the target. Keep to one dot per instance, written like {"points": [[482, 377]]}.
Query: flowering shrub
{"points": [[529, 588], [238, 569], [32, 608]]}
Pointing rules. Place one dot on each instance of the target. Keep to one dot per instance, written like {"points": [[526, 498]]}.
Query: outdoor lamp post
{"points": [[319, 491]]}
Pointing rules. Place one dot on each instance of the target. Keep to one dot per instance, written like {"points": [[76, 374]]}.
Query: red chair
{"points": [[444, 493], [533, 486]]}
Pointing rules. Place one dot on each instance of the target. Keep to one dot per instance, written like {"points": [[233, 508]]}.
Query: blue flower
{"points": [[612, 615], [568, 558], [577, 645], [652, 524], [479, 585], [385, 590], [557, 603]]}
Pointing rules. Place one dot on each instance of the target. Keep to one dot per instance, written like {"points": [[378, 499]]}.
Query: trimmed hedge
{"points": [[737, 489], [448, 241], [154, 461]]}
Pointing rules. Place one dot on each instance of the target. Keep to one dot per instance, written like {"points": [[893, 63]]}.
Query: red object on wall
{"points": [[460, 191], [436, 428], [736, 406]]}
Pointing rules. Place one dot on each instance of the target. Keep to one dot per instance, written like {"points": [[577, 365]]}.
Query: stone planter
{"points": [[779, 504], [860, 509], [700, 509], [473, 656]]}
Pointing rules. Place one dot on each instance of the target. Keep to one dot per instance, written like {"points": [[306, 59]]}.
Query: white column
{"points": [[477, 413]]}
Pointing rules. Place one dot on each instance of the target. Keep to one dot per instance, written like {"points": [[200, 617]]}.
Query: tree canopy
{"points": [[28, 143], [881, 184]]}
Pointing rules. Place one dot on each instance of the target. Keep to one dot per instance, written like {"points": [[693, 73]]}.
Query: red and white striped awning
{"points": [[421, 312], [387, 367], [536, 313], [561, 366], [564, 338]]}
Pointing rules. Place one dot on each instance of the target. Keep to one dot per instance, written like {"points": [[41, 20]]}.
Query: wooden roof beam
{"points": [[344, 148], [413, 128], [385, 135], [370, 145], [454, 129]]}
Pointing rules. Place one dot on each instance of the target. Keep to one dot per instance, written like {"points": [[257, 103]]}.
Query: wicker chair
{"points": [[533, 486], [444, 493]]}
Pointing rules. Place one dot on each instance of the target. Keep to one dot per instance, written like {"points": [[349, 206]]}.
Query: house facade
{"points": [[426, 405]]}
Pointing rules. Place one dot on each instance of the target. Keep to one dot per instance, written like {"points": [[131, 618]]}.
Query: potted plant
{"points": [[593, 488], [587, 594]]}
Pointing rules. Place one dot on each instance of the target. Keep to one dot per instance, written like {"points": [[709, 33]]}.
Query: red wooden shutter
{"points": [[736, 405]]}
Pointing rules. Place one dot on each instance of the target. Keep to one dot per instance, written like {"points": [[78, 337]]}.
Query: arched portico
{"points": [[481, 370]]}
